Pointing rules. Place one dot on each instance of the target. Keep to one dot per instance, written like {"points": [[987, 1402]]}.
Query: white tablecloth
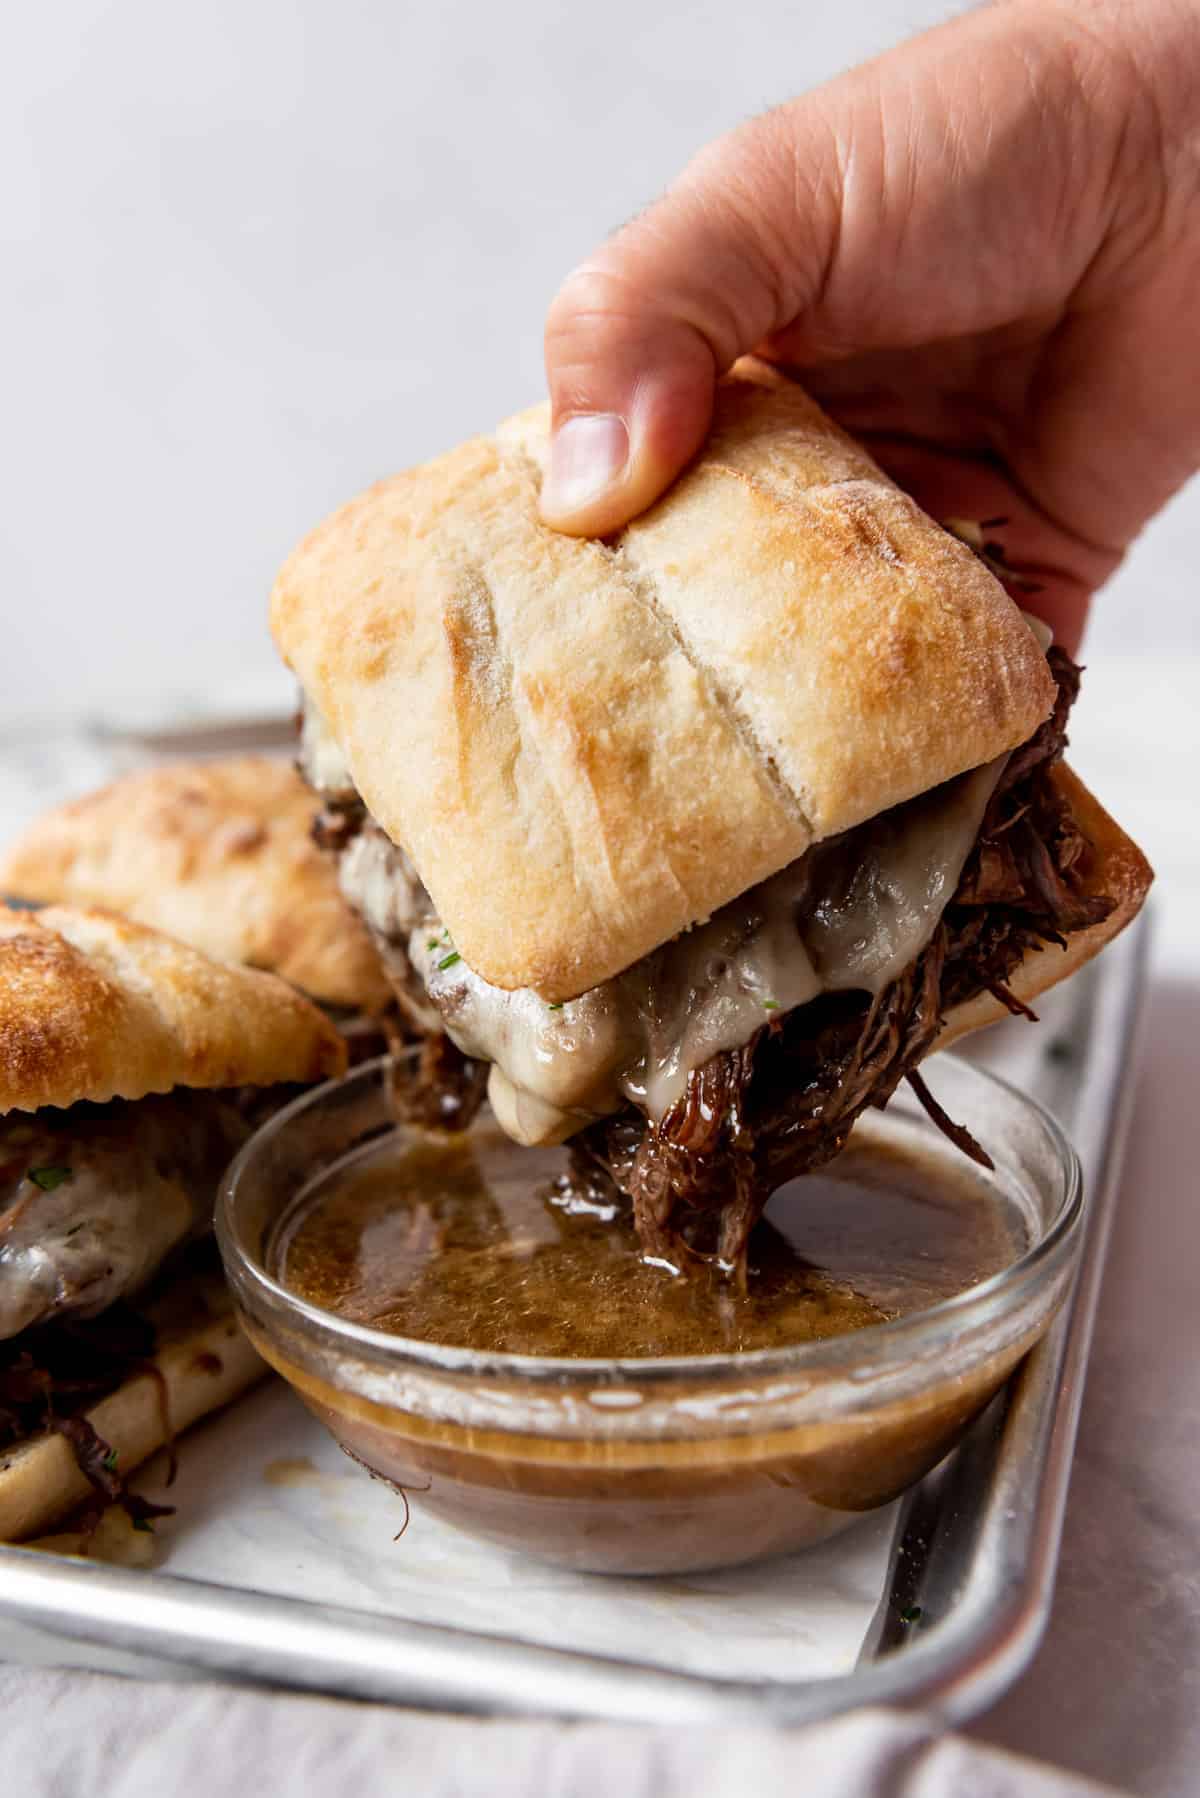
{"points": [[88, 1733]]}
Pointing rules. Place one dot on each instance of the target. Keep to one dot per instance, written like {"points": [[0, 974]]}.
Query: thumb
{"points": [[638, 334]]}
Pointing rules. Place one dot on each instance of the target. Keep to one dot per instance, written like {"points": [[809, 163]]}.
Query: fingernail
{"points": [[587, 456]]}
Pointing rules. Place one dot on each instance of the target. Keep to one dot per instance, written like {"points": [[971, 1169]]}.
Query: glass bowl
{"points": [[655, 1465]]}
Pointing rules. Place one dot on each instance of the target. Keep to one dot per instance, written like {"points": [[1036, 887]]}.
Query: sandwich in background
{"points": [[220, 854], [132, 1068], [701, 837]]}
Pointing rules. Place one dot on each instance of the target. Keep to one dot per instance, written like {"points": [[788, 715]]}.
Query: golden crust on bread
{"points": [[219, 854], [93, 1006], [203, 1361], [585, 747], [522, 722], [1116, 867]]}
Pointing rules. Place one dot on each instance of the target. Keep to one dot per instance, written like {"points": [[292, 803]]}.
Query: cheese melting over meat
{"points": [[124, 1185], [852, 913]]}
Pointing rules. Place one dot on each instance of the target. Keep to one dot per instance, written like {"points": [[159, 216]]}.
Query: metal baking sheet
{"points": [[966, 1583]]}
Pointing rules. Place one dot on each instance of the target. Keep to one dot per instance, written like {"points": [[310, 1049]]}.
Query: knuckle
{"points": [[593, 294]]}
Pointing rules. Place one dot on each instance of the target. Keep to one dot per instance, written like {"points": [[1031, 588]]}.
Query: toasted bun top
{"points": [[586, 747], [220, 854], [95, 1007], [1115, 867]]}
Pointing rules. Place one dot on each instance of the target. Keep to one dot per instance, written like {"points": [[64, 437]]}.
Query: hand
{"points": [[982, 252]]}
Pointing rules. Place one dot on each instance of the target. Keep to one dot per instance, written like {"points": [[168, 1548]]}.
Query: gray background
{"points": [[256, 255]]}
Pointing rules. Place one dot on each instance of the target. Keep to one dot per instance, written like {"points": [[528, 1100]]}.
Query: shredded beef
{"points": [[51, 1375], [785, 1102], [98, 1463], [446, 1088], [338, 822]]}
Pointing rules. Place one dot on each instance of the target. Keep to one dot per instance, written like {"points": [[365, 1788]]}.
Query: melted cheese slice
{"points": [[322, 759], [851, 914], [133, 1181]]}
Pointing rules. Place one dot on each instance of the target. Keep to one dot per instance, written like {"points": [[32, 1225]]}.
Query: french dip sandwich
{"points": [[219, 854], [702, 837], [132, 1068]]}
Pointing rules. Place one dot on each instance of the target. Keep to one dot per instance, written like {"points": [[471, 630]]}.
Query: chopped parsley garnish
{"points": [[770, 1005], [109, 1462], [144, 1524], [912, 1613], [48, 1177], [557, 1007], [448, 961], [432, 943]]}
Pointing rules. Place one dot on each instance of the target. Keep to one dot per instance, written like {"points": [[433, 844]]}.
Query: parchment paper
{"points": [[265, 1499]]}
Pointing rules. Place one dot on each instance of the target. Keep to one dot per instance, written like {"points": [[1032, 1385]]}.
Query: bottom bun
{"points": [[202, 1362], [1117, 868]]}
